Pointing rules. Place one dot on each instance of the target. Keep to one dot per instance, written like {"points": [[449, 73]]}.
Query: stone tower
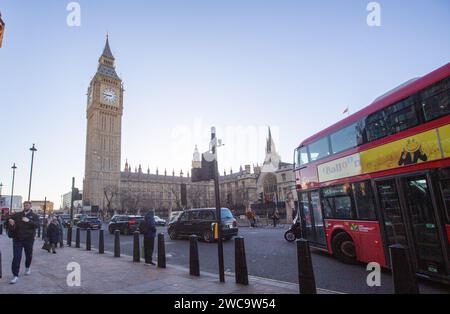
{"points": [[103, 138]]}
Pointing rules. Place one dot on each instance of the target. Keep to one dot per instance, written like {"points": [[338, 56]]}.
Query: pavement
{"points": [[105, 274], [270, 256]]}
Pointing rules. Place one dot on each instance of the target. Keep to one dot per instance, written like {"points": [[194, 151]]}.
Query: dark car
{"points": [[199, 222], [87, 222], [126, 224]]}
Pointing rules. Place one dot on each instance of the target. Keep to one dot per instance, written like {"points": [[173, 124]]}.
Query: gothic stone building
{"points": [[107, 187]]}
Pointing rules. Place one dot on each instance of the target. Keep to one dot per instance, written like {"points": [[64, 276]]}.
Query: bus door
{"points": [[409, 218], [312, 218]]}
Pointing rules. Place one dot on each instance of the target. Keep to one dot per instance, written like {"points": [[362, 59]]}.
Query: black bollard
{"points": [[161, 251], [39, 231], [101, 242], [136, 251], [44, 232], [305, 268], [77, 238], [117, 243], [88, 239], [403, 273], [194, 265], [1, 272], [1, 228], [240, 261], [69, 236]]}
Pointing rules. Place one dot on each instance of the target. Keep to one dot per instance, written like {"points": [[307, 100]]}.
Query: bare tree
{"points": [[110, 192], [195, 195]]}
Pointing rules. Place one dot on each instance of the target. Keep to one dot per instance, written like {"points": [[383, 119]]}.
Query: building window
{"points": [[283, 177]]}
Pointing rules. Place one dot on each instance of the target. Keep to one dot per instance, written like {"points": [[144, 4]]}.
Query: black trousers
{"points": [[149, 243], [18, 246]]}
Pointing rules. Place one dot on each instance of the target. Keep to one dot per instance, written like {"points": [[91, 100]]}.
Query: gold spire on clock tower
{"points": [[103, 138]]}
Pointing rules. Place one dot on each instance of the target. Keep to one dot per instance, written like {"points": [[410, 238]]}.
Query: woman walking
{"points": [[53, 234]]}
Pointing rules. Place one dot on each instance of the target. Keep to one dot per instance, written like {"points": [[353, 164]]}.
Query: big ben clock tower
{"points": [[103, 137]]}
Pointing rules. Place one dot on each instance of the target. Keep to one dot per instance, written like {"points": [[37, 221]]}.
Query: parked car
{"points": [[199, 222], [65, 220], [174, 215], [77, 218], [88, 222], [126, 224], [160, 221]]}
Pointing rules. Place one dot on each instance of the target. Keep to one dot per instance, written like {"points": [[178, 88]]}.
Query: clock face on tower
{"points": [[109, 96]]}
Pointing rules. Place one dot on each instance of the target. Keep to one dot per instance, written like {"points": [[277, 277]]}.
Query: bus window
{"points": [[337, 202], [402, 116], [436, 106], [318, 219], [344, 139], [319, 149], [307, 217], [445, 188], [376, 126], [301, 157], [364, 200]]}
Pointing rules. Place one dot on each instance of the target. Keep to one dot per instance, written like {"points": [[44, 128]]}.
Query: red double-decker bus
{"points": [[382, 176]]}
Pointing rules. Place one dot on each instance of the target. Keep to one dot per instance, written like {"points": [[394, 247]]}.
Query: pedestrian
{"points": [[148, 227], [53, 235], [250, 217], [275, 217], [23, 227]]}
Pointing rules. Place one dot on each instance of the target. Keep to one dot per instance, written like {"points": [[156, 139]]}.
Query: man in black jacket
{"points": [[23, 225]]}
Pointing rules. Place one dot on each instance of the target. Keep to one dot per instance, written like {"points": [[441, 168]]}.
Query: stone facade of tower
{"points": [[104, 111]]}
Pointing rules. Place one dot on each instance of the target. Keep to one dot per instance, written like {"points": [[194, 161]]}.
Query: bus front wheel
{"points": [[344, 248]]}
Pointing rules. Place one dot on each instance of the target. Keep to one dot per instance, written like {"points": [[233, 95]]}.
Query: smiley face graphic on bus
{"points": [[412, 153]]}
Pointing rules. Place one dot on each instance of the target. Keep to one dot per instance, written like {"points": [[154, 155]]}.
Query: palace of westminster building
{"points": [[108, 187]]}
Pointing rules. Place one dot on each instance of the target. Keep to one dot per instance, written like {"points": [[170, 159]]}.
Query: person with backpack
{"points": [[22, 229], [148, 228]]}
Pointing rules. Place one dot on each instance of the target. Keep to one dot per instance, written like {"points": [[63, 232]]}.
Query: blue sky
{"points": [[240, 65]]}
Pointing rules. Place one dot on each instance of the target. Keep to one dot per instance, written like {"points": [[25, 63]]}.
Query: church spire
{"points": [[107, 50], [107, 62], [270, 145]]}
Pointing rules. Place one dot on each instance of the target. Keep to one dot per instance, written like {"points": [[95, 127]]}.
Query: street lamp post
{"points": [[33, 149], [1, 188], [45, 205], [12, 187], [218, 207]]}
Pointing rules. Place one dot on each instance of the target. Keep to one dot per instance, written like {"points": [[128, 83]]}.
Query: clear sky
{"points": [[240, 65]]}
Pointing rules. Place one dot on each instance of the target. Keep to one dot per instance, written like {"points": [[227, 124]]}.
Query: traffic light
{"points": [[261, 198], [206, 172], [77, 196]]}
